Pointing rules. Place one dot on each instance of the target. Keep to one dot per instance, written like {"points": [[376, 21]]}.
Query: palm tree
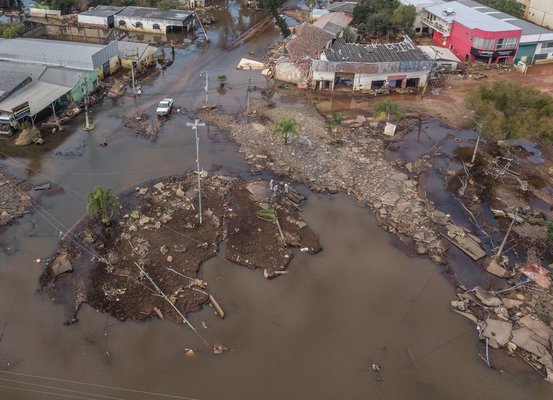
{"points": [[310, 4], [101, 202], [286, 126], [386, 108]]}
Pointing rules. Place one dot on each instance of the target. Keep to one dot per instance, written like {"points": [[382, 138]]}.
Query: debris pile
{"points": [[158, 236]]}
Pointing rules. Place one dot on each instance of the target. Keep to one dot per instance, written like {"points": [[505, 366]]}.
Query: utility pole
{"points": [[198, 171], [248, 97], [206, 87], [88, 126], [479, 131], [513, 216], [135, 57]]}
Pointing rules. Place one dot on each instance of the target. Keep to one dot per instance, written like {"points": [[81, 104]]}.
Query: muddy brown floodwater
{"points": [[312, 334]]}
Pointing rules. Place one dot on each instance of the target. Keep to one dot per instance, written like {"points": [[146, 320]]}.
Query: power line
{"points": [[57, 395], [61, 389], [98, 385]]}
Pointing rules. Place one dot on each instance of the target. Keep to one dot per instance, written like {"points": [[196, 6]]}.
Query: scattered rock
{"points": [[525, 339], [159, 186], [486, 298], [62, 264]]}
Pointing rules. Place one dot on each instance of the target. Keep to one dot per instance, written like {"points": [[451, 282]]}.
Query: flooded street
{"points": [[311, 334]]}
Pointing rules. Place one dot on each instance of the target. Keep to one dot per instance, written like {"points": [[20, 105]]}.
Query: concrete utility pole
{"points": [[134, 56], [88, 126], [198, 171], [248, 97], [206, 86], [479, 131], [513, 216]]}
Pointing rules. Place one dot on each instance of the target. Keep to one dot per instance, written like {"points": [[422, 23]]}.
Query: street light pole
{"points": [[479, 131], [206, 86], [198, 172]]}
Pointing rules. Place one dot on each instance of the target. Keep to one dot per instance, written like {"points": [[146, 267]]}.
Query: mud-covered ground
{"points": [[353, 158], [158, 233], [14, 201]]}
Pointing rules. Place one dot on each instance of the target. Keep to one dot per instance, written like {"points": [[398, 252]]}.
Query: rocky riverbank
{"points": [[350, 160], [158, 238], [515, 314]]}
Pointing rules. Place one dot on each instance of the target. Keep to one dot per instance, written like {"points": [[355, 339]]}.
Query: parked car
{"points": [[164, 107]]}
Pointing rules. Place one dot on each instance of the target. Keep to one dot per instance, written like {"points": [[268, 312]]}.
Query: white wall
{"points": [[92, 20], [540, 12]]}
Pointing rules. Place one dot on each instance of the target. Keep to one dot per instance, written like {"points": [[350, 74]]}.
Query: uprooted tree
{"points": [[101, 202], [509, 110]]}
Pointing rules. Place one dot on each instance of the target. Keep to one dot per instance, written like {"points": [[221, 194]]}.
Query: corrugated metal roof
{"points": [[52, 52], [39, 95], [103, 11], [469, 17], [155, 13], [61, 76], [9, 80], [339, 50], [345, 7], [335, 18], [528, 28]]}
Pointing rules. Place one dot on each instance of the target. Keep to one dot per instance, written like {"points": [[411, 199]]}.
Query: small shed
{"points": [[144, 53], [442, 57], [99, 16]]}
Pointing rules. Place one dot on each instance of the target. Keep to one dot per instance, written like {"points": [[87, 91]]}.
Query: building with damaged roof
{"points": [[370, 67]]}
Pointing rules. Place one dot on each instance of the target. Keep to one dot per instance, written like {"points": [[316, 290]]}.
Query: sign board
{"points": [[21, 111], [389, 129]]}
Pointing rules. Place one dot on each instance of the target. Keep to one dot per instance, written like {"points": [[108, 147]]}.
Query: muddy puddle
{"points": [[312, 334]]}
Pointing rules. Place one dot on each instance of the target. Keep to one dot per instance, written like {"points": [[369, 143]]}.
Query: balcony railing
{"points": [[444, 29]]}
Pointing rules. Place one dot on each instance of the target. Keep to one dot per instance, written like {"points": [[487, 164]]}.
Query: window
{"points": [[483, 44], [507, 43], [122, 22], [138, 25], [547, 45], [156, 26], [470, 38]]}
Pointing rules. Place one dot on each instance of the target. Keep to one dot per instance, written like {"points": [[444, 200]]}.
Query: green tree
{"points": [[404, 18], [509, 110], [348, 35], [365, 8], [272, 7], [101, 202], [511, 7], [169, 4], [387, 108], [11, 29], [286, 127], [337, 118], [310, 4]]}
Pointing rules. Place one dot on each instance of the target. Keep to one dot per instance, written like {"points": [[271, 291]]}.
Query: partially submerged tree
{"points": [[272, 7], [387, 108], [286, 127], [509, 110], [101, 202]]}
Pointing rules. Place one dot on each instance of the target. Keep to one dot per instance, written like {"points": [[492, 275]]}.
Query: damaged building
{"points": [[313, 57], [370, 67], [305, 43]]}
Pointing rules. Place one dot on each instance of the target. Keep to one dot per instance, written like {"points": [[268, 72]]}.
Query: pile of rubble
{"points": [[14, 202], [507, 319], [343, 160], [160, 238]]}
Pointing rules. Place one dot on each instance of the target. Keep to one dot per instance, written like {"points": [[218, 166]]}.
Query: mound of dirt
{"points": [[158, 236]]}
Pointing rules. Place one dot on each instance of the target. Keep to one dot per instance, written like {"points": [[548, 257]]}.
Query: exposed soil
{"points": [[14, 201], [159, 232]]}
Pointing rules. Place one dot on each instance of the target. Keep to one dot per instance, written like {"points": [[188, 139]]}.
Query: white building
{"points": [[99, 16], [538, 11], [370, 67], [420, 5]]}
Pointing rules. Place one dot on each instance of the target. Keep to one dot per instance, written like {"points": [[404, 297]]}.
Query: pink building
{"points": [[471, 34]]}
